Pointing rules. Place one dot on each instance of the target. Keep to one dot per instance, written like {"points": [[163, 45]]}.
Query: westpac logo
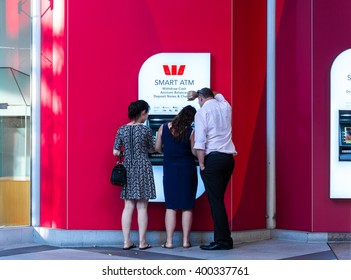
{"points": [[174, 70]]}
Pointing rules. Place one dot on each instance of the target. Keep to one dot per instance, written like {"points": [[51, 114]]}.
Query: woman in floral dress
{"points": [[135, 140]]}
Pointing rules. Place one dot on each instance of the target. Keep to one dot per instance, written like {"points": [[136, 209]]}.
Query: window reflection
{"points": [[15, 112]]}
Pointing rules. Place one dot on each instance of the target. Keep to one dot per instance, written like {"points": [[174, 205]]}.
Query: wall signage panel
{"points": [[164, 80], [340, 126]]}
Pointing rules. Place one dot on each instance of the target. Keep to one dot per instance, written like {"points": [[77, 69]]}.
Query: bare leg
{"points": [[170, 221], [127, 213], [187, 220], [142, 221]]}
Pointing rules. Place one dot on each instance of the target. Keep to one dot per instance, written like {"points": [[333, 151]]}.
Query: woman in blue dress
{"points": [[175, 140]]}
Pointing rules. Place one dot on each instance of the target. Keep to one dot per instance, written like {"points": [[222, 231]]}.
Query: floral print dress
{"points": [[135, 140]]}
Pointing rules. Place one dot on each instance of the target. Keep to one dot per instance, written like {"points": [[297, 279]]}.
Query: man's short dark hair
{"points": [[205, 92]]}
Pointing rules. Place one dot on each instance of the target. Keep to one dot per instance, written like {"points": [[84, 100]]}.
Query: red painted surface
{"points": [[249, 114], [308, 40], [105, 56], [99, 50], [294, 123], [54, 117], [332, 24], [91, 58], [46, 151]]}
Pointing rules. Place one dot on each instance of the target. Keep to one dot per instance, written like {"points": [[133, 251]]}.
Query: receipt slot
{"points": [[340, 126]]}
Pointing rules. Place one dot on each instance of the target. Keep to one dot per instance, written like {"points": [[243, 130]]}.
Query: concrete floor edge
{"points": [[92, 238]]}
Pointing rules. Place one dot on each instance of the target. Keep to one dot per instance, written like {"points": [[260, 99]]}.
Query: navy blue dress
{"points": [[179, 171]]}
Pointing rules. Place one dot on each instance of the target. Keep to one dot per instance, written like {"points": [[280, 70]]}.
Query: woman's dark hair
{"points": [[182, 121], [136, 108]]}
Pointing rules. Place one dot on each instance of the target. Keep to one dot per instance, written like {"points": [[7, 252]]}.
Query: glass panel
{"points": [[15, 110]]}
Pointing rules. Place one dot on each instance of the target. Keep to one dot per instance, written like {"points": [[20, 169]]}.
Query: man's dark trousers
{"points": [[216, 175]]}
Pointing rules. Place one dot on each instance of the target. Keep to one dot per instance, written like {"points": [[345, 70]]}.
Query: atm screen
{"points": [[346, 135], [154, 122]]}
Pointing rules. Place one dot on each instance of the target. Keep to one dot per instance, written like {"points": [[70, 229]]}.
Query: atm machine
{"points": [[344, 135], [164, 80], [340, 126], [154, 122]]}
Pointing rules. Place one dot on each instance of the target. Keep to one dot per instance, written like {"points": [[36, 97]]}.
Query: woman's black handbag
{"points": [[119, 174]]}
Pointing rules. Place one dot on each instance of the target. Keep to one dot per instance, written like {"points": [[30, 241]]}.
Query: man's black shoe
{"points": [[215, 246]]}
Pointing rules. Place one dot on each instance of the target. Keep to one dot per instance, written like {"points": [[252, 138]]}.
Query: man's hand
{"points": [[192, 95]]}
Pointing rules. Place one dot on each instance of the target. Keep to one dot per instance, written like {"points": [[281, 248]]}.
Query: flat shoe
{"points": [[148, 246], [164, 245], [215, 246], [130, 247], [187, 246]]}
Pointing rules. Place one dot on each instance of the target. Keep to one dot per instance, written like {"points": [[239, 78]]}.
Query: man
{"points": [[215, 149]]}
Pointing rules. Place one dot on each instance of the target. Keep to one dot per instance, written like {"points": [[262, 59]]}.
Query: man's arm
{"points": [[192, 95], [201, 158]]}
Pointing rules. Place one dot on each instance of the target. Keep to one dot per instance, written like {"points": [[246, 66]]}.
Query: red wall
{"points": [[310, 35], [249, 74], [54, 117], [91, 58], [101, 49]]}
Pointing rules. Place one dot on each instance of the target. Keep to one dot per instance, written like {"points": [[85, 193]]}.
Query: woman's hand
{"points": [[116, 152], [158, 143]]}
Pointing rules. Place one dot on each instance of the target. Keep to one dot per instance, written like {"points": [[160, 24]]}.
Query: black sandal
{"points": [[148, 246], [131, 246], [164, 245]]}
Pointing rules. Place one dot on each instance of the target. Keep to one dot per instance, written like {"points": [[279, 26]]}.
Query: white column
{"points": [[35, 110], [271, 186]]}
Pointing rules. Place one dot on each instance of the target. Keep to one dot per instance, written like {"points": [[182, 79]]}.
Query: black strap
{"points": [[120, 157]]}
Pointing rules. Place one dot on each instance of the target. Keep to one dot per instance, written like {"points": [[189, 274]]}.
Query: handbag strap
{"points": [[120, 158]]}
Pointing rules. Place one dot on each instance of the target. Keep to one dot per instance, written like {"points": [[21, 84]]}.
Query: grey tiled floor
{"points": [[260, 250]]}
